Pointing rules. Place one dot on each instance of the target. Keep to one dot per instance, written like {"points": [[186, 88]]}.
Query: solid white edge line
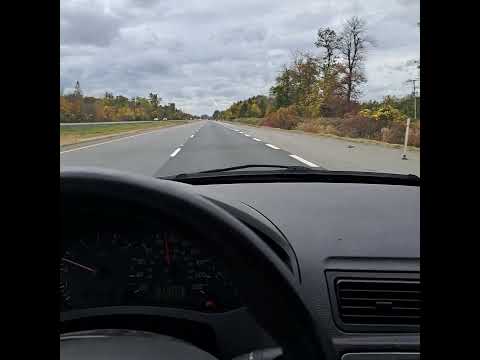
{"points": [[273, 146], [175, 152], [111, 141], [102, 143], [256, 139], [296, 157]]}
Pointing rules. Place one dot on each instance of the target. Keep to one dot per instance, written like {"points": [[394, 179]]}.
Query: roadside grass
{"points": [[331, 127], [256, 122], [78, 133], [249, 121]]}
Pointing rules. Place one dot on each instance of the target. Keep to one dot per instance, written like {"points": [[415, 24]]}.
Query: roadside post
{"points": [[404, 155]]}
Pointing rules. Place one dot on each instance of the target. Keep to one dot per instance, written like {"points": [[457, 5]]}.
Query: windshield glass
{"points": [[162, 88]]}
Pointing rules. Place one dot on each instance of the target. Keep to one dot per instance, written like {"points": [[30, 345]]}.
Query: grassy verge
{"points": [[249, 121], [80, 133], [299, 130]]}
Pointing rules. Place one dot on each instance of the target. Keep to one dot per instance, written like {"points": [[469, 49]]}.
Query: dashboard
{"points": [[117, 263]]}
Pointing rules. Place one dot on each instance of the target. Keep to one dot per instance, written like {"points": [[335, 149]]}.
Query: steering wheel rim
{"points": [[268, 288]]}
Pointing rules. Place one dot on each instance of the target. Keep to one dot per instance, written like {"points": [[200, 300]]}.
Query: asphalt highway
{"points": [[205, 145]]}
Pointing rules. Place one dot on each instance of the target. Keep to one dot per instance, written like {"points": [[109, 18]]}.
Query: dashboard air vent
{"points": [[378, 301]]}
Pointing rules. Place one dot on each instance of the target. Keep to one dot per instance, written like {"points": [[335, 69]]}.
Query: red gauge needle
{"points": [[79, 265], [167, 252]]}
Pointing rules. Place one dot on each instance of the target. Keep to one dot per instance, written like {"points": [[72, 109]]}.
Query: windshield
{"points": [[162, 88]]}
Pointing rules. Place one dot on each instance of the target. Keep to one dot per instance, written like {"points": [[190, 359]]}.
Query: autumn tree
{"points": [[154, 100], [353, 47], [113, 108], [306, 76], [327, 39], [216, 115], [283, 90], [77, 92]]}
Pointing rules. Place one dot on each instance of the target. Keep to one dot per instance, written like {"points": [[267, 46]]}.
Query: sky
{"points": [[205, 55]]}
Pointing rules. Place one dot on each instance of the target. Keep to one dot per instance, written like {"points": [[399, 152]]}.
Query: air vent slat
{"points": [[379, 301]]}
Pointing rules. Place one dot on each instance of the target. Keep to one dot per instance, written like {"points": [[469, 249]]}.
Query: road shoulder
{"points": [[110, 137]]}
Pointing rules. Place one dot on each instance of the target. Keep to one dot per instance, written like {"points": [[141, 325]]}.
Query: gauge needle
{"points": [[79, 265], [167, 252]]}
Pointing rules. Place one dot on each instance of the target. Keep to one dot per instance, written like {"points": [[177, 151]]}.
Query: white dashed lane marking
{"points": [[296, 157], [175, 152], [256, 139], [273, 146]]}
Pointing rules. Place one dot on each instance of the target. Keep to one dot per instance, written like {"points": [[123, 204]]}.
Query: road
{"points": [[206, 145]]}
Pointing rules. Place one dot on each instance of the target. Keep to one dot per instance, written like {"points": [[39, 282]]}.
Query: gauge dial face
{"points": [[147, 268]]}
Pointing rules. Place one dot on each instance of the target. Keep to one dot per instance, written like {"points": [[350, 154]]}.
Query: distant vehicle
{"points": [[164, 118], [155, 119]]}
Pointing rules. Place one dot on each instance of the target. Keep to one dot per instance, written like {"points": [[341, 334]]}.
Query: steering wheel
{"points": [[268, 289]]}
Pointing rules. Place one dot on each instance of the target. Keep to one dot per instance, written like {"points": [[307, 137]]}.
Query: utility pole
{"points": [[404, 155], [414, 97], [135, 108]]}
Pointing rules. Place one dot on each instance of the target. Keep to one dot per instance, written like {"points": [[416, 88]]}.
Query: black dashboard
{"points": [[118, 262]]}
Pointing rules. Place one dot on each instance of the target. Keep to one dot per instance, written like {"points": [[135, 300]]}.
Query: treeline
{"points": [[405, 104], [75, 107], [328, 87], [256, 107], [260, 106]]}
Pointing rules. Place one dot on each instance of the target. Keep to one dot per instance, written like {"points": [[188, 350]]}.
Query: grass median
{"points": [[73, 134]]}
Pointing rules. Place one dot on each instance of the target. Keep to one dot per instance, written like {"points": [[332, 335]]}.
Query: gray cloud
{"points": [[409, 2], [88, 26], [144, 3], [241, 34], [206, 54]]}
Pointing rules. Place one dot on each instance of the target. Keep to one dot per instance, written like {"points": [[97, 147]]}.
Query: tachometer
{"points": [[93, 271]]}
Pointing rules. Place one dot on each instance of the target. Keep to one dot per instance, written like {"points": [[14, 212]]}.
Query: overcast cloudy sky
{"points": [[205, 54]]}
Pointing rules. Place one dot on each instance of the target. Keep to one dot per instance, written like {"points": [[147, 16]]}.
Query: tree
{"points": [[306, 72], [121, 100], [282, 91], [243, 110], [328, 40], [154, 100], [77, 92], [255, 111], [216, 115], [352, 47], [110, 108]]}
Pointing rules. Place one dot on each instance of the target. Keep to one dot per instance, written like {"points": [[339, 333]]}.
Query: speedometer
{"points": [[169, 270], [131, 267]]}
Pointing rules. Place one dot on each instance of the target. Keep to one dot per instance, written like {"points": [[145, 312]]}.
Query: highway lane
{"points": [[205, 145], [338, 154], [197, 146], [142, 154], [216, 146]]}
